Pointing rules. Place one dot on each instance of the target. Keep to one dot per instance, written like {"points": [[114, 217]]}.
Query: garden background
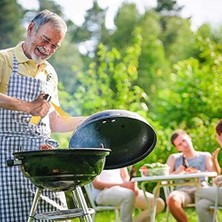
{"points": [[153, 64]]}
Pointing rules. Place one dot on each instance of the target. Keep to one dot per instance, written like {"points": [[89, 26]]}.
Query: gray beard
{"points": [[37, 60]]}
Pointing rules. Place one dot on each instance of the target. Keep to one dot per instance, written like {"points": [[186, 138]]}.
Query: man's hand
{"points": [[179, 170], [39, 106], [182, 169], [130, 185], [217, 179], [191, 170]]}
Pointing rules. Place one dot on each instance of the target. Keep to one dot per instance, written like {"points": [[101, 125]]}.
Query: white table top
{"points": [[175, 176]]}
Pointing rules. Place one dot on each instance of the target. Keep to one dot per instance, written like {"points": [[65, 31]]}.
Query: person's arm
{"points": [[171, 163], [37, 107], [215, 161], [209, 163], [98, 183], [127, 183], [124, 174], [63, 124]]}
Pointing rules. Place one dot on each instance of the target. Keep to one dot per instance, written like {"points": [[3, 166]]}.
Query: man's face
{"points": [[41, 44], [183, 142]]}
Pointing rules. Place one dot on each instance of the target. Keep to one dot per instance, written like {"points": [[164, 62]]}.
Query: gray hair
{"points": [[46, 16]]}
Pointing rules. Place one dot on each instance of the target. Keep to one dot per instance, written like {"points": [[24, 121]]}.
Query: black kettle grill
{"points": [[105, 140]]}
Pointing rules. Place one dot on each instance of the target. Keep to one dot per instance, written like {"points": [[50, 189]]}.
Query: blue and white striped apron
{"points": [[16, 191]]}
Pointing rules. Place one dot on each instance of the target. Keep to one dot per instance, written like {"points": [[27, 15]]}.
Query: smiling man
{"points": [[43, 39], [25, 80]]}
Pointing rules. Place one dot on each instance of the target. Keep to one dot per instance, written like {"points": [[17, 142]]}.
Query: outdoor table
{"points": [[190, 179]]}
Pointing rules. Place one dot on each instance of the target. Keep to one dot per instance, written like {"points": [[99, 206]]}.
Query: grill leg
{"points": [[34, 204], [76, 201], [83, 204]]}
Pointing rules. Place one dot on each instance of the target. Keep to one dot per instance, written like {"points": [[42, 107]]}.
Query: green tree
{"points": [[192, 99], [89, 34], [153, 64], [50, 5], [178, 39], [110, 83], [168, 7], [11, 15], [126, 20]]}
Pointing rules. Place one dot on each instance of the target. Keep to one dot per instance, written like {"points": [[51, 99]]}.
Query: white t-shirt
{"points": [[112, 176]]}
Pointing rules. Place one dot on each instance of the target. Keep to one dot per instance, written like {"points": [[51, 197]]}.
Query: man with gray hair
{"points": [[26, 79]]}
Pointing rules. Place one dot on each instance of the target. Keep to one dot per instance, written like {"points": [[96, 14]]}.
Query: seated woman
{"points": [[205, 197], [113, 187]]}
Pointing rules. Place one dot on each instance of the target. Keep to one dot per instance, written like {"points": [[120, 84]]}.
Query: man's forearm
{"points": [[12, 103]]}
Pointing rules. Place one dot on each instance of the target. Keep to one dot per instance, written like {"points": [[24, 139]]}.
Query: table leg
{"points": [[156, 193], [146, 198]]}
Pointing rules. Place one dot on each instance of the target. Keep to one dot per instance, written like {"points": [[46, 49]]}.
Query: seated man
{"points": [[113, 187], [187, 160], [205, 197]]}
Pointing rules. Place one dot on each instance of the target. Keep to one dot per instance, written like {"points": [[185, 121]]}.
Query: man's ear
{"points": [[31, 27]]}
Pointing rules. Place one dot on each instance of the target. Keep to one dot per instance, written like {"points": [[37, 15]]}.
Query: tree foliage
{"points": [[192, 99], [167, 7], [110, 83], [127, 14], [92, 29], [11, 15], [153, 64]]}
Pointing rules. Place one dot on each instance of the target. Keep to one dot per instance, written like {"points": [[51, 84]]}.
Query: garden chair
{"points": [[89, 192]]}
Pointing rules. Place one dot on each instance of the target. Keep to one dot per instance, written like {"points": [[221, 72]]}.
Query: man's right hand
{"points": [[37, 107], [40, 106], [130, 185]]}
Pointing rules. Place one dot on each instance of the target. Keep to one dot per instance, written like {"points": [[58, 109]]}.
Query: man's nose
{"points": [[48, 48]]}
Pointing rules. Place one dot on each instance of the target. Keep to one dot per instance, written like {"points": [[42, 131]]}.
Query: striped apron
{"points": [[16, 191]]}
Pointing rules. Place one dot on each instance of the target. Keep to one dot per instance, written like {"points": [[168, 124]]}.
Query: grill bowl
{"points": [[62, 169]]}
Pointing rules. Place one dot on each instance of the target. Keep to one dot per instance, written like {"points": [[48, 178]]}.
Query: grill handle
{"points": [[13, 162]]}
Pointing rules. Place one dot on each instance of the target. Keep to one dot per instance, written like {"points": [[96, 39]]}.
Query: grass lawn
{"points": [[109, 216]]}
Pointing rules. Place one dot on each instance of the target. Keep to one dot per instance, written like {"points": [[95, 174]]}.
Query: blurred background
{"points": [[161, 59]]}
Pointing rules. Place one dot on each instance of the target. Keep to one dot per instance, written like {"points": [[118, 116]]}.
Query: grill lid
{"points": [[129, 136]]}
